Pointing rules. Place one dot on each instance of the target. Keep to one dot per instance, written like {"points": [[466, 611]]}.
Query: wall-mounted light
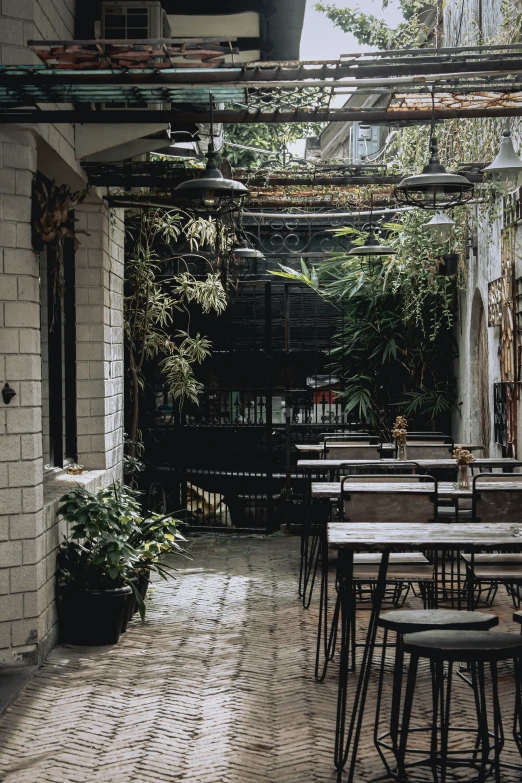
{"points": [[8, 394]]}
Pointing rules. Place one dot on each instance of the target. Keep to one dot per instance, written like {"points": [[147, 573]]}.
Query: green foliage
{"points": [[111, 540], [273, 137], [150, 304], [396, 347], [373, 31]]}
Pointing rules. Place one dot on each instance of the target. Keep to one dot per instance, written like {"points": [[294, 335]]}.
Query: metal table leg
{"points": [[346, 746]]}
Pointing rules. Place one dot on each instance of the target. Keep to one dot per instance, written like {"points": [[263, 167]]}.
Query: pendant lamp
{"points": [[441, 227], [212, 189], [435, 188], [506, 170]]}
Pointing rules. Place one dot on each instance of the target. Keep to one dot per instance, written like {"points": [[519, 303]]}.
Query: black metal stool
{"points": [[443, 649], [517, 618], [407, 621]]}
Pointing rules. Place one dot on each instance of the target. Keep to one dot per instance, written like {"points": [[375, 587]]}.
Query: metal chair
{"points": [[407, 621], [391, 505], [493, 502], [396, 505], [444, 649]]}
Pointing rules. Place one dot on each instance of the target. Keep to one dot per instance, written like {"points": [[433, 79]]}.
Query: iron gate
{"points": [[230, 462]]}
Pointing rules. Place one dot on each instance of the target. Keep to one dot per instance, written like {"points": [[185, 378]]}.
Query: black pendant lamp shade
{"points": [[435, 188], [372, 247], [212, 188], [241, 249]]}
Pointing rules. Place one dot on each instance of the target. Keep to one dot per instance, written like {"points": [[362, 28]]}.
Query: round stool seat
{"points": [[405, 621], [464, 645], [517, 617]]}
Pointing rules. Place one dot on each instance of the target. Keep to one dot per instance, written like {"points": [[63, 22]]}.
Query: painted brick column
{"points": [[99, 337], [21, 482]]}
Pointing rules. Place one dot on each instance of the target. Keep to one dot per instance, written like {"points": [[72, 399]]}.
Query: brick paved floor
{"points": [[216, 687]]}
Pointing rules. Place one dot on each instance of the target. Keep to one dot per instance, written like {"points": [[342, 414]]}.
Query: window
{"points": [[58, 334]]}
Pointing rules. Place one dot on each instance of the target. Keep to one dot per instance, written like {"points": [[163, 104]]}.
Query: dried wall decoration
{"points": [[495, 299], [52, 223], [52, 205], [518, 326], [507, 336]]}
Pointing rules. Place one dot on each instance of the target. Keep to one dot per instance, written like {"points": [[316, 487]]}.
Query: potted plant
{"points": [[99, 563]]}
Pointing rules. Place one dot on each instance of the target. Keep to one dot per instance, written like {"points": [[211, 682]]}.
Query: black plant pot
{"points": [[92, 617], [450, 264]]}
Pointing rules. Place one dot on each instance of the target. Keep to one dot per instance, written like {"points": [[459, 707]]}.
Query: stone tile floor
{"points": [[216, 687]]}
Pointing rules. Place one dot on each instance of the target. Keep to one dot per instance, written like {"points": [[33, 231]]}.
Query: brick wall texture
{"points": [[29, 529]]}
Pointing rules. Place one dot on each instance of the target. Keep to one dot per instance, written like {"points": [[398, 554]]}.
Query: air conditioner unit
{"points": [[134, 19]]}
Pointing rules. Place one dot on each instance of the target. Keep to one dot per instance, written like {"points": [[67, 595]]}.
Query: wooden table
{"points": [[319, 447], [385, 538], [446, 489], [332, 467], [429, 464]]}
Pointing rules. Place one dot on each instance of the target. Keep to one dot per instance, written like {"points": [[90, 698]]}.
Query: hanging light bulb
{"points": [[506, 170], [440, 227], [212, 188]]}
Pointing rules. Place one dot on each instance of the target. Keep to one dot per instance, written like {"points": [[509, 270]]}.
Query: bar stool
{"points": [[517, 618], [443, 649], [408, 621]]}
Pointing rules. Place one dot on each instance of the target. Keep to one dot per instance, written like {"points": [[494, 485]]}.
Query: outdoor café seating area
{"points": [[423, 540]]}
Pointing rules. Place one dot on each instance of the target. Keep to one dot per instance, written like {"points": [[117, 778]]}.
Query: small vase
{"points": [[401, 451], [464, 477]]}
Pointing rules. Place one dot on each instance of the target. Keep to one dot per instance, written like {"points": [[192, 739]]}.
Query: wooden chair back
{"points": [[383, 478], [351, 440], [394, 505], [433, 437], [345, 436], [428, 450], [352, 451], [492, 504]]}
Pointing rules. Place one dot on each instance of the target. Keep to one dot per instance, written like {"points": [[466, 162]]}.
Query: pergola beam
{"points": [[373, 116]]}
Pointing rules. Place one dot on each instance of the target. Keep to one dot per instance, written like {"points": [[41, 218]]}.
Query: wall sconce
{"points": [[8, 394]]}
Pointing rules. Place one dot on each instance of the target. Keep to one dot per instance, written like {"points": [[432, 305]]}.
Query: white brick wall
{"points": [[29, 530], [24, 20], [21, 493], [99, 337]]}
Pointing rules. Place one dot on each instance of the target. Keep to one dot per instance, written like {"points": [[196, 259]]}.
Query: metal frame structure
{"points": [[469, 82]]}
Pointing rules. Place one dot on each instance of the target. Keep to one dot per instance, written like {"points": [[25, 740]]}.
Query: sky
{"points": [[321, 40]]}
